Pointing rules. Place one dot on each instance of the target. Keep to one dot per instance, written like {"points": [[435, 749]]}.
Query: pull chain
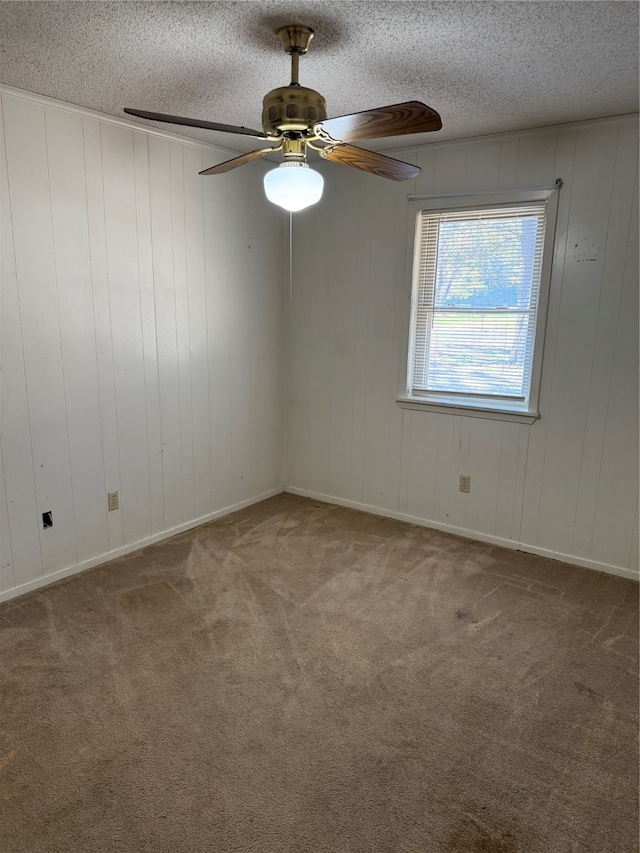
{"points": [[290, 256]]}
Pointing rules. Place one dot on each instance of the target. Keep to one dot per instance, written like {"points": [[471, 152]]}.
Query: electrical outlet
{"points": [[112, 501], [465, 483]]}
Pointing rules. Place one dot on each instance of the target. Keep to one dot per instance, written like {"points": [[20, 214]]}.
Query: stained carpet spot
{"points": [[7, 759], [473, 837]]}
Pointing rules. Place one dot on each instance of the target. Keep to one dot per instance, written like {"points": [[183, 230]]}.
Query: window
{"points": [[480, 280]]}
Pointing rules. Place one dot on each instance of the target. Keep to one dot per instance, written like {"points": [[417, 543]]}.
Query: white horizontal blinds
{"points": [[478, 288]]}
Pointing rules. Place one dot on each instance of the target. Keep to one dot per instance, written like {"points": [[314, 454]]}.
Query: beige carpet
{"points": [[302, 677]]}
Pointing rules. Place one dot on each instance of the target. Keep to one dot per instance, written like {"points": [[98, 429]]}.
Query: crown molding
{"points": [[567, 127], [46, 101]]}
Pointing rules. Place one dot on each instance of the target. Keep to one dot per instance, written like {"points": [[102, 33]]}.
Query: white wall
{"points": [[142, 338], [565, 486]]}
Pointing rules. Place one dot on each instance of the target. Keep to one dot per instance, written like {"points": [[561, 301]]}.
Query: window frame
{"points": [[519, 411]]}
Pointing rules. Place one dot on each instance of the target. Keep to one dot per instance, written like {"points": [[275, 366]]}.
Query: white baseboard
{"points": [[469, 534], [45, 580]]}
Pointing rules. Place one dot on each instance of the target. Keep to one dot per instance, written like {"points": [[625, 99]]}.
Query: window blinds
{"points": [[478, 290]]}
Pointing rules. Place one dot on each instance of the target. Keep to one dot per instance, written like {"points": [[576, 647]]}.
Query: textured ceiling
{"points": [[485, 66]]}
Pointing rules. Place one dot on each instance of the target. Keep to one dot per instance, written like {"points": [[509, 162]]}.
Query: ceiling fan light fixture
{"points": [[293, 186], [294, 117]]}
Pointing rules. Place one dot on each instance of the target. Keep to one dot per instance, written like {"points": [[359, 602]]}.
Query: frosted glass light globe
{"points": [[293, 186]]}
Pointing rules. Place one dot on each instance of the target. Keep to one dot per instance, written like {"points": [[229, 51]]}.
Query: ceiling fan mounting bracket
{"points": [[295, 38]]}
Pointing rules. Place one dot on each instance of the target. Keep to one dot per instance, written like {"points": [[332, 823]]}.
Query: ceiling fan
{"points": [[295, 119]]}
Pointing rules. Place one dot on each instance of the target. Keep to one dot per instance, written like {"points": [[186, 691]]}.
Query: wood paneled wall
{"points": [[565, 486], [143, 347], [142, 338]]}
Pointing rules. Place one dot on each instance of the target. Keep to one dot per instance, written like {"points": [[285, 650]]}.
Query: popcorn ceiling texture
{"points": [[486, 67]]}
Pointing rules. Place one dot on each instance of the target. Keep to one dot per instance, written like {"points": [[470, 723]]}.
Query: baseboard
{"points": [[45, 580], [469, 534]]}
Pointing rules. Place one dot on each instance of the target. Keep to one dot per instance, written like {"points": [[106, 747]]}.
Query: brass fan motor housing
{"points": [[292, 108]]}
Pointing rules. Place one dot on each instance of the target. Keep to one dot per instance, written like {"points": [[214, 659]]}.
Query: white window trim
{"points": [[467, 405]]}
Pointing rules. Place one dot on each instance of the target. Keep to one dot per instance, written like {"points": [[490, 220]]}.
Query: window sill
{"points": [[494, 413]]}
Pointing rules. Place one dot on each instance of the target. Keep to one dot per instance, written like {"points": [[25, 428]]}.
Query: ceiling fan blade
{"points": [[395, 120], [228, 165], [196, 122], [369, 161]]}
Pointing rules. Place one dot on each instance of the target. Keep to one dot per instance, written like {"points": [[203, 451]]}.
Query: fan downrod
{"points": [[295, 39], [293, 110]]}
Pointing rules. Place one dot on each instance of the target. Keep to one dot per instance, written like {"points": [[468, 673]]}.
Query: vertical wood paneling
{"points": [[417, 489], [463, 460], [243, 235], [364, 275], [7, 576], [327, 417], [483, 166], [445, 449], [217, 275], [142, 345], [142, 338], [398, 457], [485, 447], [538, 433], [308, 426], [380, 378], [181, 311], [450, 170], [166, 335], [537, 160], [126, 329], [619, 243], [241, 344], [508, 165], [265, 313], [634, 550], [578, 314], [616, 506], [99, 287], [511, 472], [29, 192], [197, 305], [15, 429], [341, 270], [65, 147], [148, 324], [433, 445], [548, 486]]}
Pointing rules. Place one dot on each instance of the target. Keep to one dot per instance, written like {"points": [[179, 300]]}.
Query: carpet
{"points": [[300, 677]]}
